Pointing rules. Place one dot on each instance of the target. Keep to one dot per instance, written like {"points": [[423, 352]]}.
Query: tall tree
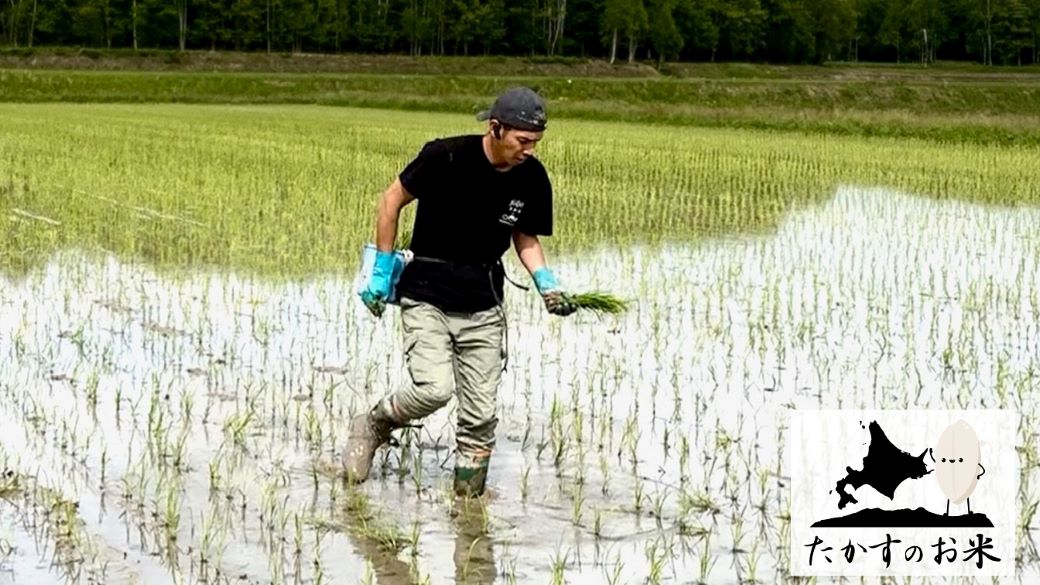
{"points": [[32, 25], [925, 27], [625, 18], [987, 16], [1034, 27], [15, 22], [555, 16], [664, 34], [894, 26], [1011, 31], [182, 23], [742, 23], [790, 30], [699, 31]]}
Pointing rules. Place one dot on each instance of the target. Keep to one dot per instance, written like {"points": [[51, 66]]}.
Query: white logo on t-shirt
{"points": [[509, 217]]}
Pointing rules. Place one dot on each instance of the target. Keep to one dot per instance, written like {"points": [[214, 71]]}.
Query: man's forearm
{"points": [[386, 227], [390, 205], [386, 220], [529, 250]]}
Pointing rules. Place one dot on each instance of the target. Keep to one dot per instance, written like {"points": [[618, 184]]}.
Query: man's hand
{"points": [[556, 301], [378, 290]]}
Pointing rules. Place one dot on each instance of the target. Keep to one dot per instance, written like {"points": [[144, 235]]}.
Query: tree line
{"points": [[778, 31]]}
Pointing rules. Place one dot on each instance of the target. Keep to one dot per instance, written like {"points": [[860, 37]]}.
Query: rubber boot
{"points": [[471, 472], [368, 431]]}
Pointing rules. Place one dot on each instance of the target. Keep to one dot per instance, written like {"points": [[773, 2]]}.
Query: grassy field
{"points": [[73, 58], [954, 103], [293, 188]]}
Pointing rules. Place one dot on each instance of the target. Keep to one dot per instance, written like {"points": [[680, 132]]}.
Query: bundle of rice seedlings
{"points": [[598, 302]]}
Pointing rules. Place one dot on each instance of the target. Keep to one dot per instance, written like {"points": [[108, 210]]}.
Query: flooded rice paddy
{"points": [[181, 346], [186, 428]]}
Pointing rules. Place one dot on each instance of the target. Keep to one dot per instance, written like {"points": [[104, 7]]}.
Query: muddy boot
{"points": [[368, 432], [471, 474]]}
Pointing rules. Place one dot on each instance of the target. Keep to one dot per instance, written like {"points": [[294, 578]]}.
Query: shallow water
{"points": [[125, 390]]}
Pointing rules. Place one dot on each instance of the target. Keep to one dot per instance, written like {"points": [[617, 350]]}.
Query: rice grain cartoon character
{"points": [[957, 461]]}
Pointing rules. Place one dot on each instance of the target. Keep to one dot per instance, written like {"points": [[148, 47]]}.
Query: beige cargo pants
{"points": [[453, 354]]}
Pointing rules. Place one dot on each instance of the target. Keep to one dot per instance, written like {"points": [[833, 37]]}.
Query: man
{"points": [[475, 194]]}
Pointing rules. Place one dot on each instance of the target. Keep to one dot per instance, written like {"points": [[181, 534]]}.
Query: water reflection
{"points": [[474, 551]]}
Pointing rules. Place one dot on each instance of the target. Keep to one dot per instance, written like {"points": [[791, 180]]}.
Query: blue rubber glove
{"points": [[378, 291], [545, 280], [556, 301]]}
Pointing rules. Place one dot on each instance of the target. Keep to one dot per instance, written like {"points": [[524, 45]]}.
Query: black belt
{"points": [[481, 265]]}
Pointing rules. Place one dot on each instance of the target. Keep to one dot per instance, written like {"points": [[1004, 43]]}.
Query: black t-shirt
{"points": [[467, 211]]}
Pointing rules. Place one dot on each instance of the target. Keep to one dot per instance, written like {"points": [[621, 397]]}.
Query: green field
{"points": [[946, 104], [292, 189], [182, 344]]}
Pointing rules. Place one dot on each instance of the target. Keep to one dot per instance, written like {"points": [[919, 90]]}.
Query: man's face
{"points": [[516, 145]]}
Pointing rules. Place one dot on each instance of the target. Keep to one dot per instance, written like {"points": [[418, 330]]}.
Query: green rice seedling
{"points": [[319, 569], [214, 475], [1025, 518], [388, 536], [604, 470], [558, 566], [297, 534], [655, 558], [699, 501], [172, 512], [214, 535], [524, 486], [413, 539], [93, 381], [559, 450], [579, 467], [633, 456], [236, 426], [598, 302], [180, 450], [313, 429], [737, 533], [577, 506], [469, 558], [658, 504], [751, 567], [664, 442], [187, 405], [104, 464], [706, 561], [577, 423], [614, 577]]}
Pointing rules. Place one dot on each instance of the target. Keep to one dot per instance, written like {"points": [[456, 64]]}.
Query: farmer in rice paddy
{"points": [[476, 193]]}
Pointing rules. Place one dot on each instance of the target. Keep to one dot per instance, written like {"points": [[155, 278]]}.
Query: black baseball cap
{"points": [[519, 107]]}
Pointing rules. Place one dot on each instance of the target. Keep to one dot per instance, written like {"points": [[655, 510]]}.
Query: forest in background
{"points": [[991, 32]]}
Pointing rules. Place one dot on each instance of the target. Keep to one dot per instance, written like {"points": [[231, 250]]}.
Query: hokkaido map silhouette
{"points": [[885, 468]]}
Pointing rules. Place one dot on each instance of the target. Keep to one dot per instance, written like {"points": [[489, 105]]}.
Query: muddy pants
{"points": [[453, 354]]}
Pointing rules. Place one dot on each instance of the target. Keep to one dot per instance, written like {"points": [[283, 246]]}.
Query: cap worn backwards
{"points": [[519, 107]]}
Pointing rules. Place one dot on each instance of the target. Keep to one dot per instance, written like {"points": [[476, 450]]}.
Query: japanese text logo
{"points": [[903, 493]]}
